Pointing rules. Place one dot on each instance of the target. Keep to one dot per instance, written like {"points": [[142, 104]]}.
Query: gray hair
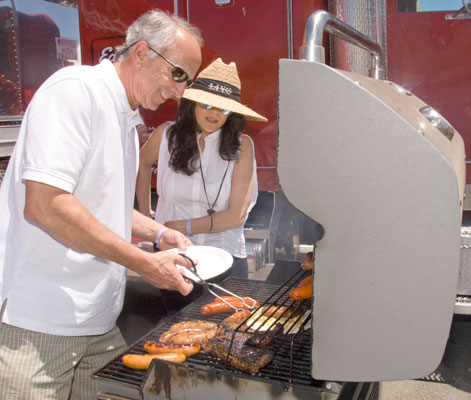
{"points": [[158, 29]]}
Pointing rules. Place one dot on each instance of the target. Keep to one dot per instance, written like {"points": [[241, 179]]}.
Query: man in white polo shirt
{"points": [[66, 212]]}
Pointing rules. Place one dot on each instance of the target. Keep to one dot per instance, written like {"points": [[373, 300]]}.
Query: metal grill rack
{"points": [[287, 347]]}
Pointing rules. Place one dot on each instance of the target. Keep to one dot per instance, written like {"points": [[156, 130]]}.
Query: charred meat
{"points": [[237, 346], [243, 357]]}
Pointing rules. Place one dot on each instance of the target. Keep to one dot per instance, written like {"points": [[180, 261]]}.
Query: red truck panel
{"points": [[431, 56], [253, 34]]}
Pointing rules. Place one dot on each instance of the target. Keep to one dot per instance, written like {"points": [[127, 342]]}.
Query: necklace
{"points": [[210, 211]]}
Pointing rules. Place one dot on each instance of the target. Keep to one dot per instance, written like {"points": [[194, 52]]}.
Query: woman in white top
{"points": [[206, 177]]}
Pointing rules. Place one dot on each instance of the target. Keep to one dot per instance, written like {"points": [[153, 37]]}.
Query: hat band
{"points": [[217, 87]]}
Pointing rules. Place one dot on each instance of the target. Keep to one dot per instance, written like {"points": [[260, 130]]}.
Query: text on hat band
{"points": [[217, 87]]}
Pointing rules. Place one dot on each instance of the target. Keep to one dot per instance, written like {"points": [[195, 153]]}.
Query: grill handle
{"points": [[321, 21]]}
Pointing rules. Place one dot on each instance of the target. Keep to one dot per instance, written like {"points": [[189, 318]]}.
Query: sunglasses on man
{"points": [[178, 73]]}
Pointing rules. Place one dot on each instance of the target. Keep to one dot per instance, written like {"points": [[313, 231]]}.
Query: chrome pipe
{"points": [[321, 21]]}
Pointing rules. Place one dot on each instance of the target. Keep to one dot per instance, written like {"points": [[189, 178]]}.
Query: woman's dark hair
{"points": [[182, 144]]}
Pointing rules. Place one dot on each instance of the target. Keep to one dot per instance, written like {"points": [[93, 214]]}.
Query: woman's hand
{"points": [[173, 239]]}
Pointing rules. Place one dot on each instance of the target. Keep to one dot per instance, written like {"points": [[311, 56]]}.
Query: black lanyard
{"points": [[211, 210]]}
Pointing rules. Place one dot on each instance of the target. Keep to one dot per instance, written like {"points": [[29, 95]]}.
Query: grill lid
{"points": [[387, 186]]}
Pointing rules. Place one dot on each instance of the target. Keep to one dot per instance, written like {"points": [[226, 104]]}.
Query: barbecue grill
{"points": [[287, 376], [384, 176]]}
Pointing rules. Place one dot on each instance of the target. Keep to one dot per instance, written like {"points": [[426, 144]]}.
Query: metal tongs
{"points": [[209, 285]]}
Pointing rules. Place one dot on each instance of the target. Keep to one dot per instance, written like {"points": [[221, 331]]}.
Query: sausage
{"points": [[218, 306], [187, 336], [152, 347], [308, 262], [301, 293], [307, 265], [306, 281], [189, 332], [142, 361], [193, 324]]}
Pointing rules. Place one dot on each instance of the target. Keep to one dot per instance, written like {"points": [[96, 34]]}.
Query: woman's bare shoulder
{"points": [[246, 143]]}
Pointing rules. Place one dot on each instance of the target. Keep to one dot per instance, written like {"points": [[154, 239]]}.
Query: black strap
{"points": [[210, 211]]}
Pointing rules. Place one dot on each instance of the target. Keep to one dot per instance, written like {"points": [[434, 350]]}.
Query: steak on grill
{"points": [[241, 355]]}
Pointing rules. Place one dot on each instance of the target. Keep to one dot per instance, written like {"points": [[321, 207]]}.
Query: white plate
{"points": [[212, 261]]}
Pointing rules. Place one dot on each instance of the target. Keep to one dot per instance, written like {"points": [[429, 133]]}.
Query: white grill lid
{"points": [[387, 187]]}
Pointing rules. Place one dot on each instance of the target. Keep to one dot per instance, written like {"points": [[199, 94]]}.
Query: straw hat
{"points": [[218, 85]]}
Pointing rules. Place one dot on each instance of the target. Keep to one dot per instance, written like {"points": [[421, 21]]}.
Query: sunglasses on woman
{"points": [[208, 107], [178, 73]]}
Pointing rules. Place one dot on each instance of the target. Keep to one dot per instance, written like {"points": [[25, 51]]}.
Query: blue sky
{"points": [[440, 5]]}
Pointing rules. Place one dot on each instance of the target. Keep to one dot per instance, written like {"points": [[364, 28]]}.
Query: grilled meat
{"points": [[264, 338], [243, 357], [308, 262], [277, 311], [245, 334], [234, 320], [189, 332], [235, 343], [194, 324]]}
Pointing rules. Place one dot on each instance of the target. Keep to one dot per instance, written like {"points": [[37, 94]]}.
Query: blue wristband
{"points": [[159, 235], [188, 228]]}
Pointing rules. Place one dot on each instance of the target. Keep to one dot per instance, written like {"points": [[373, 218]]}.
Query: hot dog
{"points": [[307, 265], [218, 306], [215, 308], [152, 347], [142, 361], [308, 262], [306, 281], [301, 293]]}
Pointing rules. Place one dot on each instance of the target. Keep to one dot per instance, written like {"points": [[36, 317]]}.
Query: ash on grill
{"points": [[291, 347]]}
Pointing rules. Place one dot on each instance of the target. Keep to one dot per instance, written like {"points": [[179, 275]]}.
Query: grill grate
{"points": [[287, 347]]}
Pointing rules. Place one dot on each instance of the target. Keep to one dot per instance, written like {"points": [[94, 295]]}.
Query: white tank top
{"points": [[183, 197]]}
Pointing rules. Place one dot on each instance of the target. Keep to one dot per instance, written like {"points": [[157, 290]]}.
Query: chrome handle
{"points": [[321, 21]]}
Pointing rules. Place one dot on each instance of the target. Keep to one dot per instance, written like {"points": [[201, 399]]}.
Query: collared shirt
{"points": [[78, 134], [183, 197]]}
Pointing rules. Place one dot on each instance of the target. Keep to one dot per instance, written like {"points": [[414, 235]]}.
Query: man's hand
{"points": [[164, 274], [173, 239]]}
